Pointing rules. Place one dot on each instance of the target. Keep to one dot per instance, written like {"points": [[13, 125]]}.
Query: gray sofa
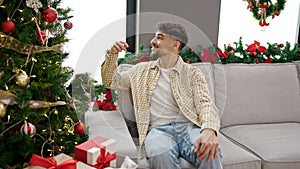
{"points": [[259, 106]]}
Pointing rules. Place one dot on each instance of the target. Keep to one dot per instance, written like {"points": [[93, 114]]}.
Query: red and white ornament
{"points": [[28, 128], [8, 26], [79, 128], [49, 15], [68, 25], [41, 36]]}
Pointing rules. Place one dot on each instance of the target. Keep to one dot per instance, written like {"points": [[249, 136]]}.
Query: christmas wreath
{"points": [[262, 9]]}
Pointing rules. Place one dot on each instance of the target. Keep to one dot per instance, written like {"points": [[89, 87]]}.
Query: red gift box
{"points": [[61, 161], [97, 151]]}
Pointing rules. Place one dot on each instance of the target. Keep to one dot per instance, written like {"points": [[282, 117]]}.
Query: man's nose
{"points": [[152, 42]]}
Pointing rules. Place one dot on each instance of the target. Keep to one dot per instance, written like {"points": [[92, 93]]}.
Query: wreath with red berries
{"points": [[263, 9]]}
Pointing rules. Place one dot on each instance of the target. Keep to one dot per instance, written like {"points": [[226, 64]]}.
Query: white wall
{"points": [[92, 17], [97, 24], [236, 21]]}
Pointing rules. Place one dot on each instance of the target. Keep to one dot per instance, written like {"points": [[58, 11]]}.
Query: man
{"points": [[174, 112]]}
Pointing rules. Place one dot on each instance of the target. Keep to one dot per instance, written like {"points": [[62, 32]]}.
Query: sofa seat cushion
{"points": [[235, 157], [276, 144], [143, 163]]}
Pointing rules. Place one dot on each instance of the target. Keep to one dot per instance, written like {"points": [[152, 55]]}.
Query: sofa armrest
{"points": [[111, 124]]}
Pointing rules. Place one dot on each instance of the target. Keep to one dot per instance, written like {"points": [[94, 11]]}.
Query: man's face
{"points": [[162, 44]]}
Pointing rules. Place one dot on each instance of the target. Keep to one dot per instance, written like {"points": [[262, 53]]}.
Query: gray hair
{"points": [[175, 30]]}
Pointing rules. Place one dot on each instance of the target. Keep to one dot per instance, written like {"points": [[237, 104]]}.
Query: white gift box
{"points": [[89, 151]]}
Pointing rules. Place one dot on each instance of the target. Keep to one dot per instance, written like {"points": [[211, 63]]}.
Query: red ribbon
{"points": [[104, 160], [50, 162]]}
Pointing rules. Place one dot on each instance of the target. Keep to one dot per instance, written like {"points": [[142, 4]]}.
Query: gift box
{"points": [[61, 161], [97, 152]]}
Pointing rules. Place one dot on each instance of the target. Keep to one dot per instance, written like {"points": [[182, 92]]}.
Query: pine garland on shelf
{"points": [[232, 53]]}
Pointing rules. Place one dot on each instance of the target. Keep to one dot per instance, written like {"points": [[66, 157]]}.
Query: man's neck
{"points": [[168, 61]]}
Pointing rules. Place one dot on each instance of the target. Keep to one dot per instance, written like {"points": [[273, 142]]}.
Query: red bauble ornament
{"points": [[28, 128], [79, 128], [50, 15], [68, 25], [41, 36], [8, 26]]}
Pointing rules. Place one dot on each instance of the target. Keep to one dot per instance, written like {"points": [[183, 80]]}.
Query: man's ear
{"points": [[177, 44]]}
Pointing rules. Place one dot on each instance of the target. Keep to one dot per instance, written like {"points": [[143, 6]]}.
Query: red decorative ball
{"points": [[8, 26], [68, 25], [50, 15], [28, 128], [41, 36], [79, 128]]}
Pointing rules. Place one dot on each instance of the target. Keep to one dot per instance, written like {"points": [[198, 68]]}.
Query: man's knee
{"points": [[166, 160], [215, 163]]}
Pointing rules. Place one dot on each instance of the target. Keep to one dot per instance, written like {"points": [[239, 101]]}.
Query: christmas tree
{"points": [[37, 113]]}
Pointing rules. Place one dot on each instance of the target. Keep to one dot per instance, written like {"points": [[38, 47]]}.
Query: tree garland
{"points": [[262, 9]]}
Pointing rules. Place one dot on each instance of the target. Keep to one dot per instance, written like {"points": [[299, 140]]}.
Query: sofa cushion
{"points": [[257, 93], [276, 144], [144, 164], [235, 157], [298, 68]]}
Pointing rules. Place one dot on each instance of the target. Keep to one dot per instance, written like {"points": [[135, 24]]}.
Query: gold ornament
{"points": [[22, 78], [37, 104], [2, 110], [7, 98]]}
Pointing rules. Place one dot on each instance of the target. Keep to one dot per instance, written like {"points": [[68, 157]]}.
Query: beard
{"points": [[156, 53]]}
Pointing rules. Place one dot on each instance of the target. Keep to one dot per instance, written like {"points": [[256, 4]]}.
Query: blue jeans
{"points": [[165, 143]]}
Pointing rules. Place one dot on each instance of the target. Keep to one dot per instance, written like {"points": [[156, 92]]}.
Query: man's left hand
{"points": [[206, 144]]}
